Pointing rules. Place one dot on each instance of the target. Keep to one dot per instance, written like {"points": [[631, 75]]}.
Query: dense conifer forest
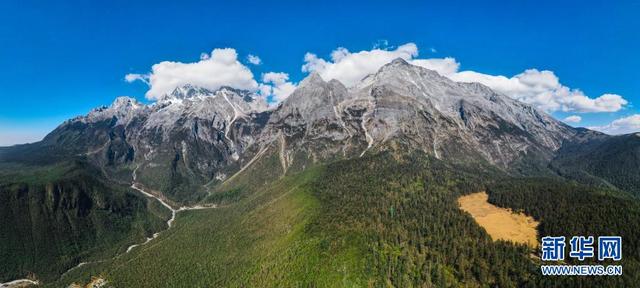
{"points": [[376, 221]]}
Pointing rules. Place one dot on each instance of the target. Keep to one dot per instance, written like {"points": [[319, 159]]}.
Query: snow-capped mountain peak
{"points": [[188, 91], [125, 103], [401, 105]]}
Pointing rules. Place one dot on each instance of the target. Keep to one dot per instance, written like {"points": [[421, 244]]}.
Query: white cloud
{"points": [[350, 68], [573, 119], [541, 89], [277, 86], [131, 77], [275, 77], [444, 66], [623, 125], [220, 68], [253, 59]]}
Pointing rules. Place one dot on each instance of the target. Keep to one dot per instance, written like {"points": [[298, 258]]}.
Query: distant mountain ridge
{"points": [[371, 169], [195, 136]]}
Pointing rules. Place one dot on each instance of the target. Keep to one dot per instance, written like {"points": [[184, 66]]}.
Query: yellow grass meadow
{"points": [[500, 223]]}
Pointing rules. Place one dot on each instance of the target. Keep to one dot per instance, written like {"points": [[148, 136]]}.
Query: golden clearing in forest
{"points": [[500, 223]]}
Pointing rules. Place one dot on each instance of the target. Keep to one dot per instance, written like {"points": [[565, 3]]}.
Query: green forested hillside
{"points": [[261, 240], [614, 159], [568, 209], [53, 217], [377, 221]]}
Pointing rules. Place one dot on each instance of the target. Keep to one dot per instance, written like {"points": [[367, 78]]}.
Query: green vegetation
{"points": [[174, 179], [378, 221], [262, 240], [53, 217], [414, 233], [356, 223], [616, 160], [568, 209]]}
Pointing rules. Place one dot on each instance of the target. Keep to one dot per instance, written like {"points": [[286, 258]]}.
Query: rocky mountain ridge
{"points": [[194, 136]]}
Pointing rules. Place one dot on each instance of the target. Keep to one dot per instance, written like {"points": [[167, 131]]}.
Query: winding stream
{"points": [[19, 283], [174, 211], [139, 188]]}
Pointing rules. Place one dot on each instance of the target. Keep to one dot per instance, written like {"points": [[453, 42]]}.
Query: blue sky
{"points": [[60, 59]]}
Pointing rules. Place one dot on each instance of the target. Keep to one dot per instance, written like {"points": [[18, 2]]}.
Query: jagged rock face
{"points": [[197, 135], [311, 125], [208, 118], [196, 139], [419, 108], [191, 135]]}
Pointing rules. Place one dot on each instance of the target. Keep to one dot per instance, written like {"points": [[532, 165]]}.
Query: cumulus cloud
{"points": [[253, 59], [623, 125], [573, 119], [444, 66], [220, 68], [350, 68], [276, 86], [541, 89]]}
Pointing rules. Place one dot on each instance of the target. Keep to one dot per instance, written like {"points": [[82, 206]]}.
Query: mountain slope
{"points": [[374, 221], [335, 186], [194, 136], [594, 156], [407, 106], [53, 217], [465, 117], [187, 139]]}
